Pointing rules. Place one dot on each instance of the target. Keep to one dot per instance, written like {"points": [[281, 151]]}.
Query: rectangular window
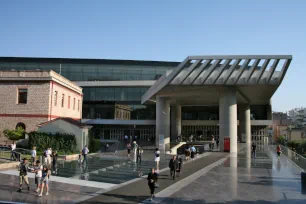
{"points": [[22, 96], [63, 99], [73, 103], [55, 98], [68, 101], [78, 105]]}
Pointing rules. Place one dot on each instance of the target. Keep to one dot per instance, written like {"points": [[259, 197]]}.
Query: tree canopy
{"points": [[16, 134]]}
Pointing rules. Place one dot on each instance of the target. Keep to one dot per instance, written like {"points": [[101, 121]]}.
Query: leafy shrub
{"points": [[281, 140], [94, 144], [14, 134], [65, 143]]}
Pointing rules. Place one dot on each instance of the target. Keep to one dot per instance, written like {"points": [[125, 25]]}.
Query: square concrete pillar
{"points": [[245, 123], [176, 121], [162, 124], [228, 119]]}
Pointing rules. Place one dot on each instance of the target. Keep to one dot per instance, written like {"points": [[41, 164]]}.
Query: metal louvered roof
{"points": [[228, 70]]}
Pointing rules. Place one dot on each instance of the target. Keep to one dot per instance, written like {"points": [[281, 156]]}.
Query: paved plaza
{"points": [[212, 178]]}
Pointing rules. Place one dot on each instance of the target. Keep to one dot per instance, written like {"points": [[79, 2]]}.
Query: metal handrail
{"points": [[298, 159]]}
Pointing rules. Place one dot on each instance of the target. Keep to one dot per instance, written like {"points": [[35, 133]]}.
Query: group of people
{"points": [[42, 175], [49, 158], [190, 152], [137, 151], [175, 166]]}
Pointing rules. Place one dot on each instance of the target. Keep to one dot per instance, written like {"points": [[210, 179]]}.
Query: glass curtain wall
{"points": [[97, 100], [93, 72]]}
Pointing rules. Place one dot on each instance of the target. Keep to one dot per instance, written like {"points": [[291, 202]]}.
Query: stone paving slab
{"points": [[277, 182], [59, 192]]}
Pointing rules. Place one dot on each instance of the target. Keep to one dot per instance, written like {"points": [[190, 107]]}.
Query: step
{"points": [[107, 180]]}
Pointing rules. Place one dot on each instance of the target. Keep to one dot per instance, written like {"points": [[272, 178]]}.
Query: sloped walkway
{"points": [[138, 191], [264, 180]]}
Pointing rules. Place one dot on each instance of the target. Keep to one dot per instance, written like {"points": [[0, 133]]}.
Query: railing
{"points": [[294, 157], [17, 154]]}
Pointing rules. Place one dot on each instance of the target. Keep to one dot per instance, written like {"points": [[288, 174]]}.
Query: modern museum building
{"points": [[225, 96]]}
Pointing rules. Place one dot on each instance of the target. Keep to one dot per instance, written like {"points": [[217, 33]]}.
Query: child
{"points": [[38, 174], [44, 181], [80, 157]]}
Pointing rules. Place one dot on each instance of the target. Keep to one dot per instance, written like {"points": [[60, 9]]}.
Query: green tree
{"points": [[14, 134], [281, 140]]}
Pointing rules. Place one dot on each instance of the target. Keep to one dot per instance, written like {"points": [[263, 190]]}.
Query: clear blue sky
{"points": [[161, 30]]}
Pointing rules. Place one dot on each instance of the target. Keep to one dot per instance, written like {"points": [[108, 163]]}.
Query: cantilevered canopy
{"points": [[198, 80]]}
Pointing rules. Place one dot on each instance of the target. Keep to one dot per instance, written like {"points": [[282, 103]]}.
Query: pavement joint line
{"points": [[167, 192], [132, 181]]}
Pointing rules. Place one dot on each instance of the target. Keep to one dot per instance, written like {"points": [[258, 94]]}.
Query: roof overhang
{"points": [[198, 80]]}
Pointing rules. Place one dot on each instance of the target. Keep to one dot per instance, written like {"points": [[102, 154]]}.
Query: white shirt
{"points": [[48, 152], [33, 153], [13, 146], [38, 174]]}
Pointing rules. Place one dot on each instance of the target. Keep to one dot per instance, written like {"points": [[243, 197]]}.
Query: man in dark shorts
{"points": [[23, 174]]}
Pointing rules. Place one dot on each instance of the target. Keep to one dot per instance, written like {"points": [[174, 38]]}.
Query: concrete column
{"points": [[228, 119], [269, 110], [162, 123], [245, 123], [176, 121]]}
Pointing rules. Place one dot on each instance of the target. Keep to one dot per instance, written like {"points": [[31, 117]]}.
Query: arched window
{"points": [[22, 125]]}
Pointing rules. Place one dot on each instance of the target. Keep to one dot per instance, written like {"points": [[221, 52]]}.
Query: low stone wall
{"points": [[9, 165], [73, 156]]}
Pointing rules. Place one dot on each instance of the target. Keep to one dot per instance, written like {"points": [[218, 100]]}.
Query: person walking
{"points": [[139, 154], [187, 152], [47, 156], [44, 181], [193, 152], [173, 165], [254, 150], [38, 174], [85, 151], [13, 153], [157, 158], [23, 174], [217, 142], [54, 162], [80, 158], [278, 151], [212, 142], [128, 147], [33, 155], [152, 182], [180, 166], [135, 146]]}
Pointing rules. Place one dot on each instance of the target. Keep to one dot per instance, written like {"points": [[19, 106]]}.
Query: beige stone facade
{"points": [[46, 95]]}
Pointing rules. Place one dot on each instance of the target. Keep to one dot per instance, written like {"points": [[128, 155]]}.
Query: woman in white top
{"points": [[157, 158]]}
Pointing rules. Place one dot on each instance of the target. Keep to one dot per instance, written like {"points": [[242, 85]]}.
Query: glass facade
{"points": [[97, 100], [200, 113], [93, 72]]}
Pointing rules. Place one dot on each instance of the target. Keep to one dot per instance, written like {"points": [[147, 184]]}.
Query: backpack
{"points": [[45, 154]]}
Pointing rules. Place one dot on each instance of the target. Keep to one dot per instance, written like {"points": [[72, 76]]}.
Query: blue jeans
{"points": [[253, 154], [85, 158]]}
